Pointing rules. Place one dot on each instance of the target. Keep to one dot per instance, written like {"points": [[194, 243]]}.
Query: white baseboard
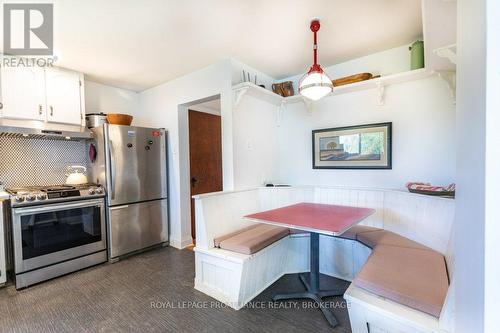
{"points": [[180, 244]]}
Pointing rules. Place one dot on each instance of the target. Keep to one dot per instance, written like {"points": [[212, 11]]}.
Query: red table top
{"points": [[324, 219]]}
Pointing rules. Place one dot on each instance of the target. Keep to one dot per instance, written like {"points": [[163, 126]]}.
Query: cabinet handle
{"points": [[51, 110], [40, 109]]}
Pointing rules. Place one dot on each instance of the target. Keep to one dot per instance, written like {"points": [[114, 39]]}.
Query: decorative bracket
{"points": [[449, 52], [238, 95], [309, 105], [450, 78], [381, 93]]}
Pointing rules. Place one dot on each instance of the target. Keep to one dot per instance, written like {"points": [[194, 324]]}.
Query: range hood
{"points": [[43, 130]]}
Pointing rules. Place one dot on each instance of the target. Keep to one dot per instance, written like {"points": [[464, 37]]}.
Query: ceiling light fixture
{"points": [[315, 84]]}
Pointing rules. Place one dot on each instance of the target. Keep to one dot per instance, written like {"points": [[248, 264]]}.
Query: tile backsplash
{"points": [[29, 161]]}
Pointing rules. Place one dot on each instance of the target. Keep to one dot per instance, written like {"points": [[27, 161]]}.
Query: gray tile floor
{"points": [[117, 298]]}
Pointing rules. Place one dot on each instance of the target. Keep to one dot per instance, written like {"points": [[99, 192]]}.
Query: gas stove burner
{"points": [[34, 195], [20, 191], [55, 188]]}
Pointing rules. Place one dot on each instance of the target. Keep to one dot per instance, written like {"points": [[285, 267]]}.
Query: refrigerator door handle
{"points": [[112, 170]]}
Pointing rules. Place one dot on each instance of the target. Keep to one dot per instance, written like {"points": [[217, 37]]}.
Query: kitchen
{"points": [[76, 182], [292, 169]]}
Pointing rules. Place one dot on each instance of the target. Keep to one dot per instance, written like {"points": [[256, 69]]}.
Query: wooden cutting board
{"points": [[351, 79]]}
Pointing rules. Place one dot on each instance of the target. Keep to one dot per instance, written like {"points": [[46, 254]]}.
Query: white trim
{"points": [[340, 187], [180, 244], [213, 194]]}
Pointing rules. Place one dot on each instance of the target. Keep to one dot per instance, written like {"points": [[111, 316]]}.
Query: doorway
{"points": [[205, 152]]}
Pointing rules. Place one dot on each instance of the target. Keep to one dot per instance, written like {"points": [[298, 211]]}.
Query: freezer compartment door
{"points": [[137, 164], [136, 226]]}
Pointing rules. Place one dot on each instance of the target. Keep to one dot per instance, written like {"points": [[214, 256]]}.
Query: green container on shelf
{"points": [[417, 55]]}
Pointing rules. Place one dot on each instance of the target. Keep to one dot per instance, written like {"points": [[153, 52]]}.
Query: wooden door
{"points": [[205, 156], [22, 93], [63, 96]]}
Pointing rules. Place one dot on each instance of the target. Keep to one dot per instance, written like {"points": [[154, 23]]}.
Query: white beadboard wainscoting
{"points": [[236, 278]]}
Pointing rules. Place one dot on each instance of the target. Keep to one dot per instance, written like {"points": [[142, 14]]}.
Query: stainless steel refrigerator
{"points": [[131, 162]]}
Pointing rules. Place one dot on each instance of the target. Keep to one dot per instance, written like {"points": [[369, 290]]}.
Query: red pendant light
{"points": [[315, 84]]}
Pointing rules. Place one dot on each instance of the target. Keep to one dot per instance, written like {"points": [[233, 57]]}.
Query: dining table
{"points": [[317, 219]]}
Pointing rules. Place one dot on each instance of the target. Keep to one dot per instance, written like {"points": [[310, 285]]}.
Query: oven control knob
{"points": [[19, 199], [41, 196], [91, 191], [98, 190], [30, 197]]}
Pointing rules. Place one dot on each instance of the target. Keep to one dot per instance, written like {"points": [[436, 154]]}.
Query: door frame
{"points": [[195, 115], [184, 170]]}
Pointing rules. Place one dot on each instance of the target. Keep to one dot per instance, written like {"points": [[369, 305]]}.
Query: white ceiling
{"points": [[137, 44]]}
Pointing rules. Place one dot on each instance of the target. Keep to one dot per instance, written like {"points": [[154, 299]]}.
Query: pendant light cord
{"points": [[314, 28]]}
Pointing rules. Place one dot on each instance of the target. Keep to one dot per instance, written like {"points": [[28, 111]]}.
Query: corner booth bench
{"points": [[399, 259]]}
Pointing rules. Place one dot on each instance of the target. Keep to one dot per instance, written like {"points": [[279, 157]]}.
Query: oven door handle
{"points": [[118, 207], [50, 208]]}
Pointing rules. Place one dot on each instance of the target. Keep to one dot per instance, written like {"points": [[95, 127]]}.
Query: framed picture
{"points": [[353, 147]]}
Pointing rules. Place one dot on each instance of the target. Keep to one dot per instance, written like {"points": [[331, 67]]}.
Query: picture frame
{"points": [[353, 147]]}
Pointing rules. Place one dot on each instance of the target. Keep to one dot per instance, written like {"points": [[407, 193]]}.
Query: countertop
{"points": [[4, 195]]}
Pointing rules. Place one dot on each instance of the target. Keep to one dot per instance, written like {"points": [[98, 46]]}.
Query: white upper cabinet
{"points": [[23, 93], [50, 94], [63, 96]]}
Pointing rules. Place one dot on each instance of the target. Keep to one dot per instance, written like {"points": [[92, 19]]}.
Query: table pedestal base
{"points": [[316, 297], [313, 292]]}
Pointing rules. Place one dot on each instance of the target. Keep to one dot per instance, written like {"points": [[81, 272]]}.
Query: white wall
{"points": [[470, 210], [255, 150], [103, 98], [166, 106], [492, 223], [211, 107], [395, 60], [423, 117], [478, 164], [423, 146], [255, 140], [237, 69]]}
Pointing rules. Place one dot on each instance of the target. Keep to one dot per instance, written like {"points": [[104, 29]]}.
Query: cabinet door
{"points": [[23, 93], [63, 96]]}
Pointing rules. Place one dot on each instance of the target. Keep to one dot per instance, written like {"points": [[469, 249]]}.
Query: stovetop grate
{"points": [[49, 188]]}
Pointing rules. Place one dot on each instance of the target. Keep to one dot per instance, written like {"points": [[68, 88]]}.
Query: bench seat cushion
{"points": [[412, 277], [352, 232], [253, 239], [219, 239], [385, 237]]}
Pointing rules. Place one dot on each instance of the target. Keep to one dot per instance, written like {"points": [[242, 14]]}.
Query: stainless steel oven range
{"points": [[56, 230]]}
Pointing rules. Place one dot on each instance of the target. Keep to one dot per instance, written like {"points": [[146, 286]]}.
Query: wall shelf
{"points": [[250, 89]]}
